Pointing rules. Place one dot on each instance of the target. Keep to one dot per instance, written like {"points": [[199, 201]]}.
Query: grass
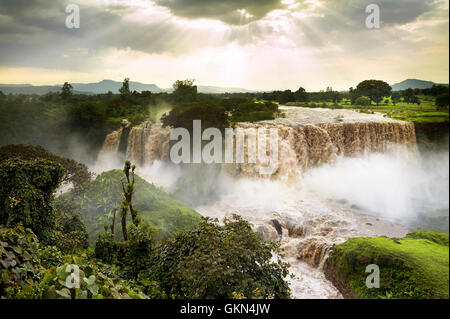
{"points": [[415, 266], [426, 112]]}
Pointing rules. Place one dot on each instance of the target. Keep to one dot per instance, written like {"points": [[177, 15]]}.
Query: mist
{"points": [[398, 185]]}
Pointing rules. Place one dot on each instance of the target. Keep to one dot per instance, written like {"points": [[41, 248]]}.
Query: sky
{"points": [[252, 44]]}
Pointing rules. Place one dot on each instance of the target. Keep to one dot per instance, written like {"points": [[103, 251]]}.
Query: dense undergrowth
{"points": [[44, 249]]}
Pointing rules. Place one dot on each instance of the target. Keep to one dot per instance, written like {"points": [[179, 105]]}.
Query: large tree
{"points": [[125, 89], [66, 90], [376, 90], [184, 91]]}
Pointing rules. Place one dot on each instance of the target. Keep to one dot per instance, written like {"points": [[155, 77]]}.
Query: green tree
{"points": [[396, 97], [26, 195], [66, 90], [75, 173], [184, 91], [363, 101], [128, 190], [300, 95], [214, 261], [442, 101], [125, 89], [376, 90]]}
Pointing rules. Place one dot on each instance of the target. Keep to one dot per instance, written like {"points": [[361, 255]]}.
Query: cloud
{"points": [[171, 38], [236, 12]]}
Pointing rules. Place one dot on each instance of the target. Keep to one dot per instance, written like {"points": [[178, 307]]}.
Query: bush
{"points": [[442, 100], [71, 234], [215, 261], [363, 101], [19, 263], [139, 248], [75, 173], [69, 243], [26, 195], [104, 247]]}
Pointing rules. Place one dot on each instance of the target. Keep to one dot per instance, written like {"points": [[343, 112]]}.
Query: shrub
{"points": [[214, 261], [139, 248], [70, 242], [26, 195], [19, 263], [442, 101], [104, 247], [363, 101], [75, 172]]}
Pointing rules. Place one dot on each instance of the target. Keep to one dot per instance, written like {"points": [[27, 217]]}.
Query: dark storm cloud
{"points": [[224, 10], [392, 12], [33, 33]]}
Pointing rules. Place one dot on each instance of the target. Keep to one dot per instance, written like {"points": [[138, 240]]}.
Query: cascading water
{"points": [[281, 206]]}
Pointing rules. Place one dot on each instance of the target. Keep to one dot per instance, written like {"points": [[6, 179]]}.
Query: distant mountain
{"points": [[414, 84], [105, 86], [113, 86], [30, 89]]}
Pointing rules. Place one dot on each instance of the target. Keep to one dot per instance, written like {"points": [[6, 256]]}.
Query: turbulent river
{"points": [[341, 174]]}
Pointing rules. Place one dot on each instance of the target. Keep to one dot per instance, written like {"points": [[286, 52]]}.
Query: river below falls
{"points": [[310, 225]]}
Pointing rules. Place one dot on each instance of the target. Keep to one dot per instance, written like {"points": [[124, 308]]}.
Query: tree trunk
{"points": [[124, 226]]}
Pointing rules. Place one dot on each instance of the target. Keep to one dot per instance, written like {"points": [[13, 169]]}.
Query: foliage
{"points": [[376, 90], [126, 202], [102, 195], [105, 247], [66, 91], [19, 263], [442, 100], [75, 173], [415, 266], [213, 261], [70, 242], [30, 270], [363, 101], [93, 283], [139, 248], [184, 91], [26, 195], [125, 89], [182, 115]]}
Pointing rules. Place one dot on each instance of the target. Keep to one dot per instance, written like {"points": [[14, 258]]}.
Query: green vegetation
{"points": [[205, 261], [425, 112], [29, 269], [415, 266], [213, 111], [104, 195], [26, 194], [219, 261], [75, 125], [75, 173]]}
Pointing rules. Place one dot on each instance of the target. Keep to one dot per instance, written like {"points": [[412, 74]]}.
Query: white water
{"points": [[327, 198]]}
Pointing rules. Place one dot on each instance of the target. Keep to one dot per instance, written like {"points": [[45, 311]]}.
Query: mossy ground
{"points": [[415, 266], [104, 194]]}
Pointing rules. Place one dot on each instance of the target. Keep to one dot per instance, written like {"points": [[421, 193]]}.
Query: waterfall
{"points": [[302, 143], [279, 206]]}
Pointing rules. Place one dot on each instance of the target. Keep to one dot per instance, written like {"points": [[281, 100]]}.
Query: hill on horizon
{"points": [[414, 84], [105, 86]]}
